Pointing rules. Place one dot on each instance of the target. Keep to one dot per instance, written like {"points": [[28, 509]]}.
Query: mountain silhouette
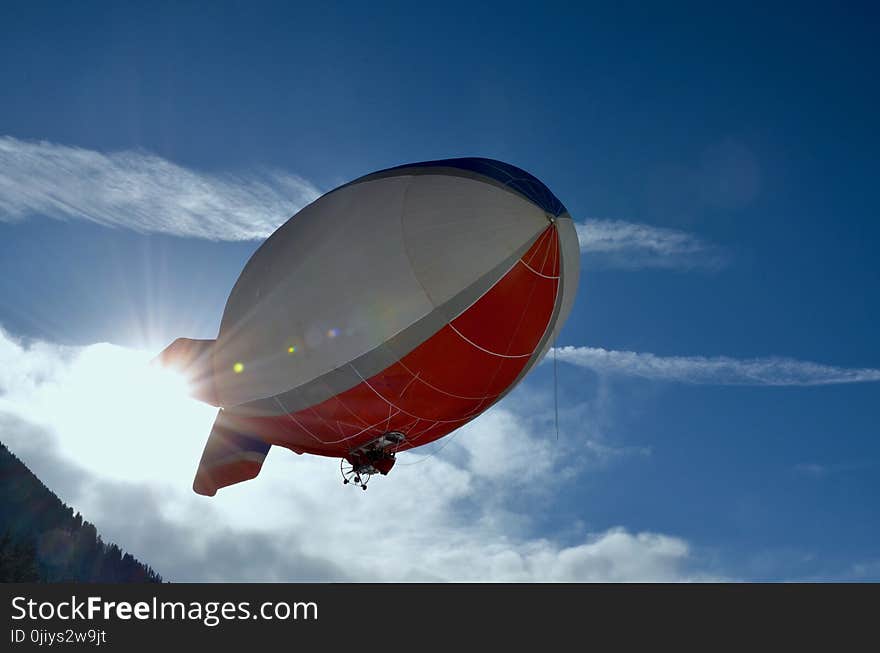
{"points": [[42, 540]]}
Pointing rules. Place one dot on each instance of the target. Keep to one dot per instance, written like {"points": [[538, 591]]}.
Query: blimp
{"points": [[383, 316]]}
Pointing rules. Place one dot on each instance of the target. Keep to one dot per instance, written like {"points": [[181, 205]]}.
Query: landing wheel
{"points": [[347, 470], [352, 475]]}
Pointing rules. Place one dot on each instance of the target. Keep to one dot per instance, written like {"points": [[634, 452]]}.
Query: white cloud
{"points": [[88, 422], [616, 243], [141, 191], [719, 370]]}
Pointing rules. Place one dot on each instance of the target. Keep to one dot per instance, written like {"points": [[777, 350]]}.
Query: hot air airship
{"points": [[383, 316]]}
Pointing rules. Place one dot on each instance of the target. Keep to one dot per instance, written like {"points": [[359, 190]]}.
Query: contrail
{"points": [[720, 370]]}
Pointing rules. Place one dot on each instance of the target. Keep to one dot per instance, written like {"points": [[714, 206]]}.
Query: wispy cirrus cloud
{"points": [[631, 245], [718, 370], [144, 192]]}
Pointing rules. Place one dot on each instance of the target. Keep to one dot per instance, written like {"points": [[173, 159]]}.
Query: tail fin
{"points": [[193, 359], [230, 456]]}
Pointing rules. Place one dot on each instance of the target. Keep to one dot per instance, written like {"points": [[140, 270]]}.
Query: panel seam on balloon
{"points": [[412, 267], [541, 238], [497, 281], [345, 439], [473, 344], [546, 276], [445, 392], [379, 394]]}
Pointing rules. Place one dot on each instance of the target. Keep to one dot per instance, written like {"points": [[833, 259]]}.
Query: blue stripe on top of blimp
{"points": [[505, 174], [509, 175]]}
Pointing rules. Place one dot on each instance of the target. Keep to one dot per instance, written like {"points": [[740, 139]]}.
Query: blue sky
{"points": [[726, 157]]}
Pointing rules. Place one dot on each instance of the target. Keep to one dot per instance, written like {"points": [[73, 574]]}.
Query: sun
{"points": [[119, 415]]}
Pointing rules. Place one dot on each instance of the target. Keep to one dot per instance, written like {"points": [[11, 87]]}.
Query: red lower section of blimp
{"points": [[447, 380]]}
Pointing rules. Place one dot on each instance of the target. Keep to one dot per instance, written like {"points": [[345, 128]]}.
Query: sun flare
{"points": [[120, 415]]}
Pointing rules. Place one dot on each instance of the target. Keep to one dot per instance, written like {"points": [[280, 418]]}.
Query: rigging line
{"points": [[449, 439], [343, 439], [555, 392]]}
